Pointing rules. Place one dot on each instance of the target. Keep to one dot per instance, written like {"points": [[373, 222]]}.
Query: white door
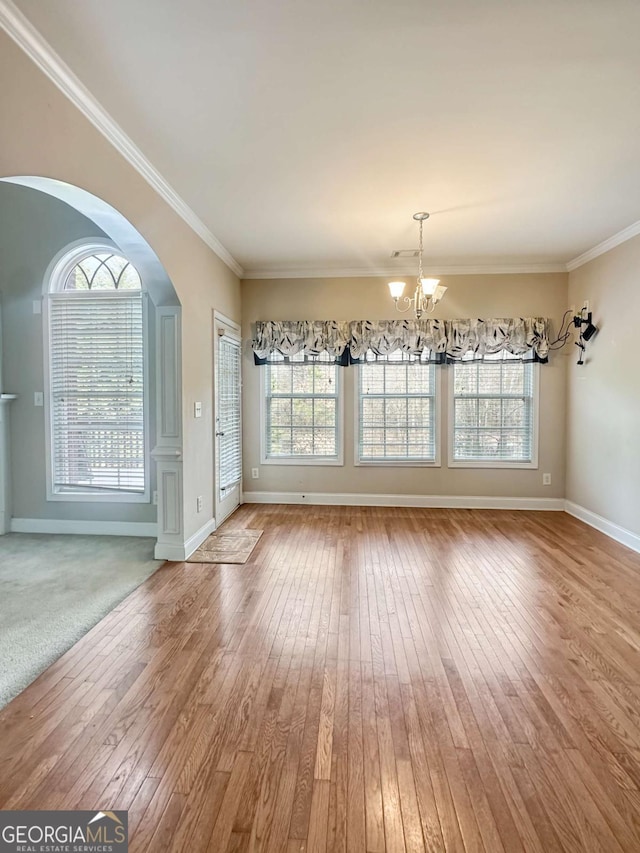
{"points": [[228, 425]]}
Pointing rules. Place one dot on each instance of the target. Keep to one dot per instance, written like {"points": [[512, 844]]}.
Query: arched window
{"points": [[102, 271], [97, 388]]}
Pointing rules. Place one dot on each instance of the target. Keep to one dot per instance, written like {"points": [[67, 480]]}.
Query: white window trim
{"points": [[488, 463], [317, 461], [61, 265], [400, 463], [67, 258]]}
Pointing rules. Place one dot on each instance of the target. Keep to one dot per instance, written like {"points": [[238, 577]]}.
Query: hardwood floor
{"points": [[372, 680]]}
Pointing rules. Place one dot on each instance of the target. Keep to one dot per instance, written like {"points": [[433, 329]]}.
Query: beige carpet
{"points": [[235, 546], [53, 589]]}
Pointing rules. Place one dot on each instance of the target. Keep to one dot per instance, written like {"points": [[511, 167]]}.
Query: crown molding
{"points": [[374, 272], [606, 246], [27, 37]]}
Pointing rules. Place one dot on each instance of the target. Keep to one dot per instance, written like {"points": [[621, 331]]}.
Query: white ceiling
{"points": [[305, 134]]}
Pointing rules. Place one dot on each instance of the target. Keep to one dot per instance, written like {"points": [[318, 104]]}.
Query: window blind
{"points": [[228, 413], [493, 411], [301, 410], [96, 346], [396, 410]]}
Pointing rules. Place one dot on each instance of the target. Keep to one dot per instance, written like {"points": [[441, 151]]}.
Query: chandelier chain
{"points": [[420, 276]]}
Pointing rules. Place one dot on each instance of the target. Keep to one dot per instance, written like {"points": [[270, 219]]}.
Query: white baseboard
{"points": [[434, 501], [180, 551], [614, 531], [164, 551], [89, 528]]}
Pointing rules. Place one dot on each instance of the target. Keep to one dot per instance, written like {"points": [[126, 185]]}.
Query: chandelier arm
{"points": [[408, 300]]}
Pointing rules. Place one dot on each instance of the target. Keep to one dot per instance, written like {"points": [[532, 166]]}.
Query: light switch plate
{"points": [[38, 398], [197, 410]]}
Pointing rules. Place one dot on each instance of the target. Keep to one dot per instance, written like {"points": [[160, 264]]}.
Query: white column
{"points": [[167, 453], [5, 469]]}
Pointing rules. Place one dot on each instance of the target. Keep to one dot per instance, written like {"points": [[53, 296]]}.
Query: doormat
{"points": [[235, 546]]}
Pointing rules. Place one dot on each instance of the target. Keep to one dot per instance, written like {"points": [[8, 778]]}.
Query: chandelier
{"points": [[428, 291]]}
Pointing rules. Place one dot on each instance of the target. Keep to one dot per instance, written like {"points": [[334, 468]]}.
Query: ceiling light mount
{"points": [[428, 291]]}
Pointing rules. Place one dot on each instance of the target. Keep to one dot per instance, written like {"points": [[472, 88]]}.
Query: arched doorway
{"points": [[94, 217]]}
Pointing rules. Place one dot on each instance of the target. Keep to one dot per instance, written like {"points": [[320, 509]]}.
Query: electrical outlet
{"points": [[585, 306], [38, 398], [154, 499], [255, 474], [546, 479], [199, 503]]}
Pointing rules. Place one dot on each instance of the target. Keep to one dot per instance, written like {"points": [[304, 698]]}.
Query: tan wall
{"points": [[45, 135], [603, 402], [368, 298]]}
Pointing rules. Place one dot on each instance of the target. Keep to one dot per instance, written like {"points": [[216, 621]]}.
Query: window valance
{"points": [[313, 339], [523, 337], [439, 341]]}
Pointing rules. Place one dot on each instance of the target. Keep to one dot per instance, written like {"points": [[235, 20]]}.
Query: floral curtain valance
{"points": [[439, 341], [312, 339]]}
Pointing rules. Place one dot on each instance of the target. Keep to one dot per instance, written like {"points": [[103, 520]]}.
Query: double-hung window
{"points": [[397, 411], [302, 412], [493, 413], [96, 394]]}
